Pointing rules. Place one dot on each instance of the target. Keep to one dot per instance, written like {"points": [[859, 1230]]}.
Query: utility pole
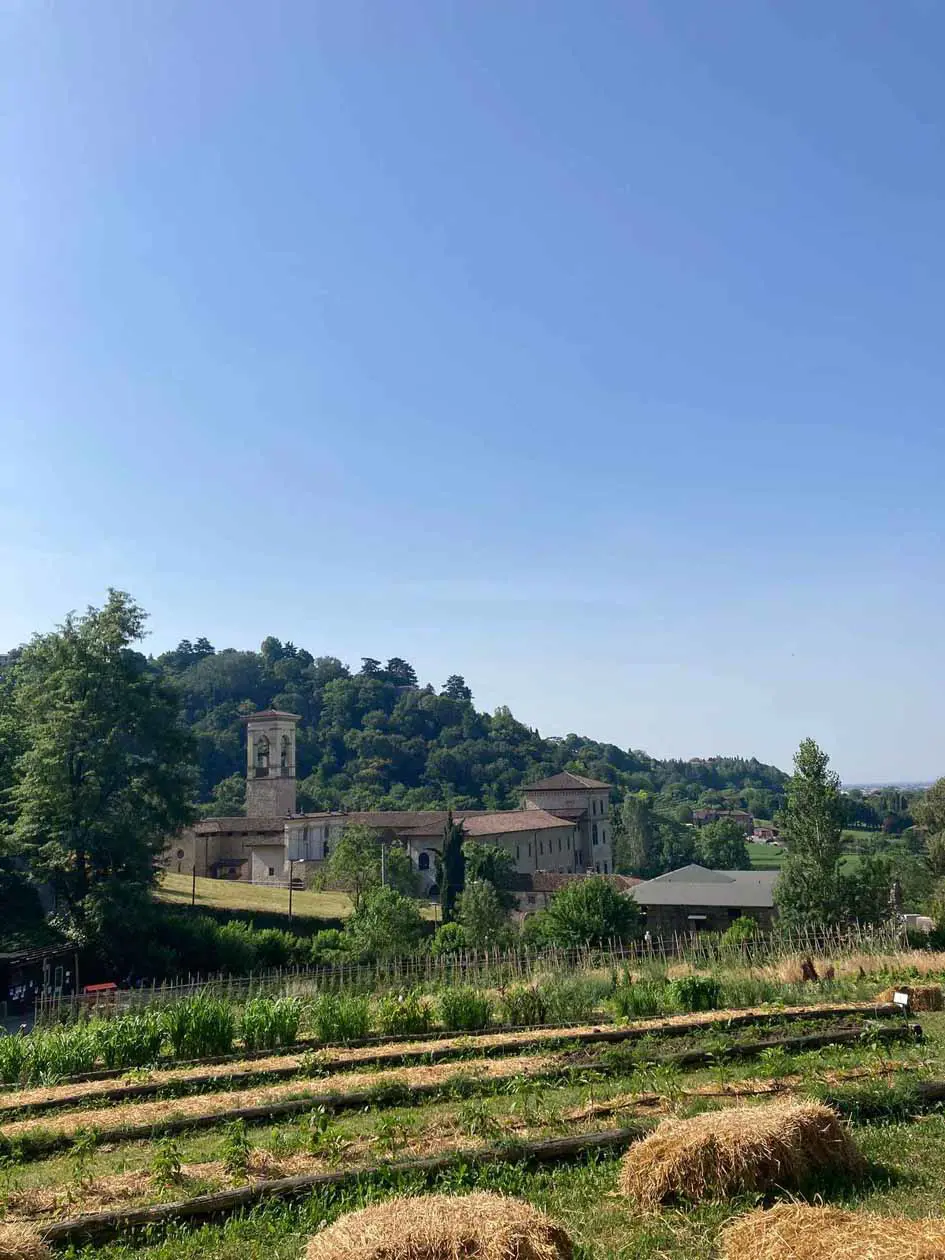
{"points": [[193, 882], [291, 869]]}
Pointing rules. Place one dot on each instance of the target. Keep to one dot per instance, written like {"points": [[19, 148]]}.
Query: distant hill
{"points": [[376, 738]]}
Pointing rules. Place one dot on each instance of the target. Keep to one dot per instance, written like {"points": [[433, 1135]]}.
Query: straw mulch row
{"points": [[742, 1149], [793, 1231], [442, 1227], [20, 1242], [922, 997]]}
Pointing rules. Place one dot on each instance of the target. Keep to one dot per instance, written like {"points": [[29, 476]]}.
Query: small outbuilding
{"points": [[695, 899]]}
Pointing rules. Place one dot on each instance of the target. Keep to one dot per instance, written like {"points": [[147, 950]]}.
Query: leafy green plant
{"points": [[322, 1137], [13, 1059], [404, 1014], [200, 1027], [129, 1040], [236, 1149], [475, 1119], [638, 999], [776, 1062], [695, 993], [569, 999], [84, 1145], [266, 1023], [166, 1162], [341, 1017], [522, 1005], [464, 1009], [391, 1135]]}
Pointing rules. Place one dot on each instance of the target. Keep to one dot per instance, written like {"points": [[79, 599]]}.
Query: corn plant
{"points": [[522, 1004], [404, 1014], [128, 1041], [84, 1144], [200, 1027], [464, 1009], [341, 1017], [695, 993], [266, 1023], [638, 999], [13, 1057]]}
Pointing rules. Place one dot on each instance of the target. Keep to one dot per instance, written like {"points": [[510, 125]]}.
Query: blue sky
{"points": [[591, 351]]}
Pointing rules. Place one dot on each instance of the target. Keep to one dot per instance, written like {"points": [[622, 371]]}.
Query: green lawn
{"points": [[226, 894], [765, 857]]}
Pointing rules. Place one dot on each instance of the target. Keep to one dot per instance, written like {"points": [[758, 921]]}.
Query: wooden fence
{"points": [[492, 968]]}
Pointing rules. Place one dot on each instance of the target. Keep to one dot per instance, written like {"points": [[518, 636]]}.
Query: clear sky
{"points": [[593, 351]]}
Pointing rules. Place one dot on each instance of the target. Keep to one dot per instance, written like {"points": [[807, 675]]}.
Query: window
{"points": [[180, 853], [529, 848], [559, 844], [605, 868], [603, 834], [541, 847], [569, 843], [272, 870], [262, 755], [284, 754], [594, 834], [531, 899], [423, 862]]}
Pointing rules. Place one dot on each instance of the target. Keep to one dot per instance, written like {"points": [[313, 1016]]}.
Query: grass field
{"points": [[225, 894], [765, 857]]}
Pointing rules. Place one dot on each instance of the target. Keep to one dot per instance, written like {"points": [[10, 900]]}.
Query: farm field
{"points": [[228, 894], [479, 1117]]}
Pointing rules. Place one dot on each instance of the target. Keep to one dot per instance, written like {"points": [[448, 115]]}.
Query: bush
{"points": [[590, 912], [743, 930], [327, 946], [695, 993], [572, 998], [403, 1015], [522, 1005], [464, 1010], [449, 938]]}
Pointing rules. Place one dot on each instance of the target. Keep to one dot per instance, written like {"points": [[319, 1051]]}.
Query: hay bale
{"points": [[721, 1153], [793, 1231], [443, 1227], [19, 1241], [922, 997]]}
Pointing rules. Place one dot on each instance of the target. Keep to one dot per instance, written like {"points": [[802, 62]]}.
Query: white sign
{"points": [[901, 999]]}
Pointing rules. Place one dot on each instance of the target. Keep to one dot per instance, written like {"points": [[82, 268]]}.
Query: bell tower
{"points": [[270, 763]]}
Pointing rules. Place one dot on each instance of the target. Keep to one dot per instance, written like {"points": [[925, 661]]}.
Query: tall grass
{"points": [[404, 1014], [341, 1017], [522, 1005], [464, 1010]]}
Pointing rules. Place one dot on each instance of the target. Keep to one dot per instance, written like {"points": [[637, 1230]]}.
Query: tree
{"points": [[494, 864], [400, 672], [106, 776], [449, 938], [935, 853], [591, 911], [451, 866], [809, 890], [370, 667], [355, 864], [865, 895], [385, 923], [455, 688], [648, 844], [721, 846], [228, 799], [481, 914]]}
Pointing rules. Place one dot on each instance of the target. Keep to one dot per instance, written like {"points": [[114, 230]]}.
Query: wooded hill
{"points": [[375, 738]]}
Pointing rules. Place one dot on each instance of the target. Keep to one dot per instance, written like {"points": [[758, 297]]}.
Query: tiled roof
{"points": [[565, 781], [512, 820], [216, 826]]}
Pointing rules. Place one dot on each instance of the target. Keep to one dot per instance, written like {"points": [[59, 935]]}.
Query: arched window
{"points": [[284, 754], [262, 753], [423, 862], [594, 834]]}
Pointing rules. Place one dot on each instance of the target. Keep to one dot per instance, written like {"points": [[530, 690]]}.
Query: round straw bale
{"points": [[19, 1241], [792, 1231], [443, 1227], [922, 997], [721, 1153]]}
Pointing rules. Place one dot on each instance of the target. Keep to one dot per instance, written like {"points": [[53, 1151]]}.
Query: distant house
{"points": [[709, 814], [765, 835], [694, 899]]}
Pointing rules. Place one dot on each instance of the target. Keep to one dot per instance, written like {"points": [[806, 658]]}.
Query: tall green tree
{"points": [[451, 866], [356, 864], [481, 914], [648, 843], [721, 846], [106, 772], [386, 923], [809, 890], [589, 911], [495, 865]]}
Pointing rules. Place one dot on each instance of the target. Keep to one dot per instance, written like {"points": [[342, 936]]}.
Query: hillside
{"points": [[375, 738]]}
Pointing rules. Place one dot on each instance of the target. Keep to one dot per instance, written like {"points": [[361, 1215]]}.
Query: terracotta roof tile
{"points": [[565, 781]]}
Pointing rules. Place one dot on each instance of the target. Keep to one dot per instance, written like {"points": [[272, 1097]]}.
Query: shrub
{"points": [[464, 1009], [695, 993], [236, 1149], [740, 932], [449, 938], [523, 1004], [403, 1014], [572, 998]]}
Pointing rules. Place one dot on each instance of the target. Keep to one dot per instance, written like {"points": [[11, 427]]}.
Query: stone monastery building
{"points": [[563, 826]]}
